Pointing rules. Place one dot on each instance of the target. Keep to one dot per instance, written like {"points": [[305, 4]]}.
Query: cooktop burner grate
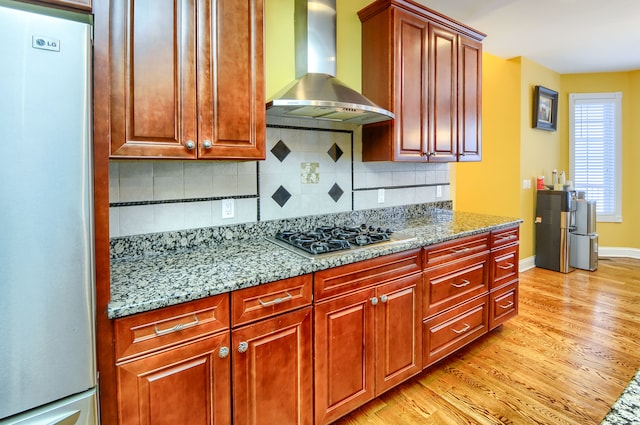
{"points": [[334, 238]]}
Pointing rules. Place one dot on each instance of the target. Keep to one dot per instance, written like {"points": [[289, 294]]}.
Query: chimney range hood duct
{"points": [[317, 93]]}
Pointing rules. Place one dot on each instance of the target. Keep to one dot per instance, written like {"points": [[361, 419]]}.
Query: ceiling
{"points": [[566, 36]]}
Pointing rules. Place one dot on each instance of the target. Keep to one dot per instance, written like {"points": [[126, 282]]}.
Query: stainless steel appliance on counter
{"points": [[584, 239], [555, 218], [47, 355]]}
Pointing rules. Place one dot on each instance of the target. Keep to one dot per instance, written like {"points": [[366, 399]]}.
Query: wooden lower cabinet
{"points": [[272, 370], [365, 343], [188, 384], [455, 328]]}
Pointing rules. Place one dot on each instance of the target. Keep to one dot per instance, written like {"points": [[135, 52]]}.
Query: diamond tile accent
{"points": [[335, 152], [336, 192], [281, 196], [280, 150]]}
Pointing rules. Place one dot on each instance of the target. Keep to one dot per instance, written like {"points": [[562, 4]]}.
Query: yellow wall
{"points": [[627, 233], [280, 48], [491, 186]]}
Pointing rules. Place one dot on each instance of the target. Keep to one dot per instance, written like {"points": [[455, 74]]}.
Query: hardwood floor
{"points": [[565, 359]]}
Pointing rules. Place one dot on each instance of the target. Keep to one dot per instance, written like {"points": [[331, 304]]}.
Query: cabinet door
{"points": [[469, 100], [398, 331], [411, 82], [231, 98], [153, 78], [187, 385], [443, 95], [272, 370], [344, 350]]}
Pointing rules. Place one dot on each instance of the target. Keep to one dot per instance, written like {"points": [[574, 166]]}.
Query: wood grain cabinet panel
{"points": [[451, 284], [344, 350], [503, 304], [426, 69], [272, 371], [187, 79], [368, 337], [454, 328], [188, 384]]}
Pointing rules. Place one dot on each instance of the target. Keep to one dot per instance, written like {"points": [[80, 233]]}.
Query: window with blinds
{"points": [[595, 127]]}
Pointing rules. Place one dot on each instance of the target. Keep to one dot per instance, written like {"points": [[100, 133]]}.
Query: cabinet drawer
{"points": [[446, 332], [344, 279], [505, 236], [456, 249], [451, 284], [503, 305], [259, 302], [504, 265], [146, 332]]}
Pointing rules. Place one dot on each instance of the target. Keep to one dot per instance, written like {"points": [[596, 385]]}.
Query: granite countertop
{"points": [[148, 282]]}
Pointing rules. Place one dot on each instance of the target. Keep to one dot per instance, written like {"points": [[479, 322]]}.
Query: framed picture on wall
{"points": [[545, 108]]}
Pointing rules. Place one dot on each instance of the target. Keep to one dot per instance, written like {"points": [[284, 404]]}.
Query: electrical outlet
{"points": [[526, 184], [381, 196], [438, 191], [228, 208]]}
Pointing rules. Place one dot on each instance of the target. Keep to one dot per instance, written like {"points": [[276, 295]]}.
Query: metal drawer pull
{"points": [[243, 347], [504, 238], [178, 327], [464, 283], [459, 251], [507, 267], [276, 301], [463, 330], [508, 305], [374, 301], [383, 299], [223, 352]]}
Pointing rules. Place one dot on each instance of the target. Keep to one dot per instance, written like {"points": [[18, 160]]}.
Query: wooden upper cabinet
{"points": [[187, 79], [470, 100], [426, 69]]}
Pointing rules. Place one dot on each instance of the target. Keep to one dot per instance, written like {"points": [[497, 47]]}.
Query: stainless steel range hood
{"points": [[317, 93]]}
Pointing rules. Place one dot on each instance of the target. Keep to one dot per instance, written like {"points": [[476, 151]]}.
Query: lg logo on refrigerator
{"points": [[45, 43]]}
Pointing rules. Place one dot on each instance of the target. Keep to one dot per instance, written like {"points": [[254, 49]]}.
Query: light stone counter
{"points": [[236, 259]]}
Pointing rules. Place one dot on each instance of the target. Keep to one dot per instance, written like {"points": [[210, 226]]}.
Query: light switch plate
{"points": [[526, 184], [381, 196], [228, 208], [438, 191]]}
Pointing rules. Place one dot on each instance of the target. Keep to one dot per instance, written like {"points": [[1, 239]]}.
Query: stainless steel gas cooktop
{"points": [[332, 240]]}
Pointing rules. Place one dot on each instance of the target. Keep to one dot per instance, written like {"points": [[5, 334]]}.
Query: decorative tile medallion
{"points": [[309, 172]]}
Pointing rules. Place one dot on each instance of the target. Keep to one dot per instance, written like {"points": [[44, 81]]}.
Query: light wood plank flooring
{"points": [[564, 360]]}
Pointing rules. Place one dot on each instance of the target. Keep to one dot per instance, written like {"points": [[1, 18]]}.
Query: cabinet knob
{"points": [[383, 299], [223, 352], [190, 145], [243, 347], [374, 301], [207, 144]]}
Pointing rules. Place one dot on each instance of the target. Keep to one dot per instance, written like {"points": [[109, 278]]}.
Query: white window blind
{"points": [[595, 150]]}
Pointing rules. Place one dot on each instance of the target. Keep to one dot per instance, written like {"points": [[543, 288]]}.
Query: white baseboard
{"points": [[527, 263], [530, 262], [618, 252]]}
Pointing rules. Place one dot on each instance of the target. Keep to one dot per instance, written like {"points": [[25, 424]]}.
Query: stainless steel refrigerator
{"points": [[47, 365]]}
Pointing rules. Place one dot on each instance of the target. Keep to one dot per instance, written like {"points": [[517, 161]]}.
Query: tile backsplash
{"points": [[311, 168]]}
